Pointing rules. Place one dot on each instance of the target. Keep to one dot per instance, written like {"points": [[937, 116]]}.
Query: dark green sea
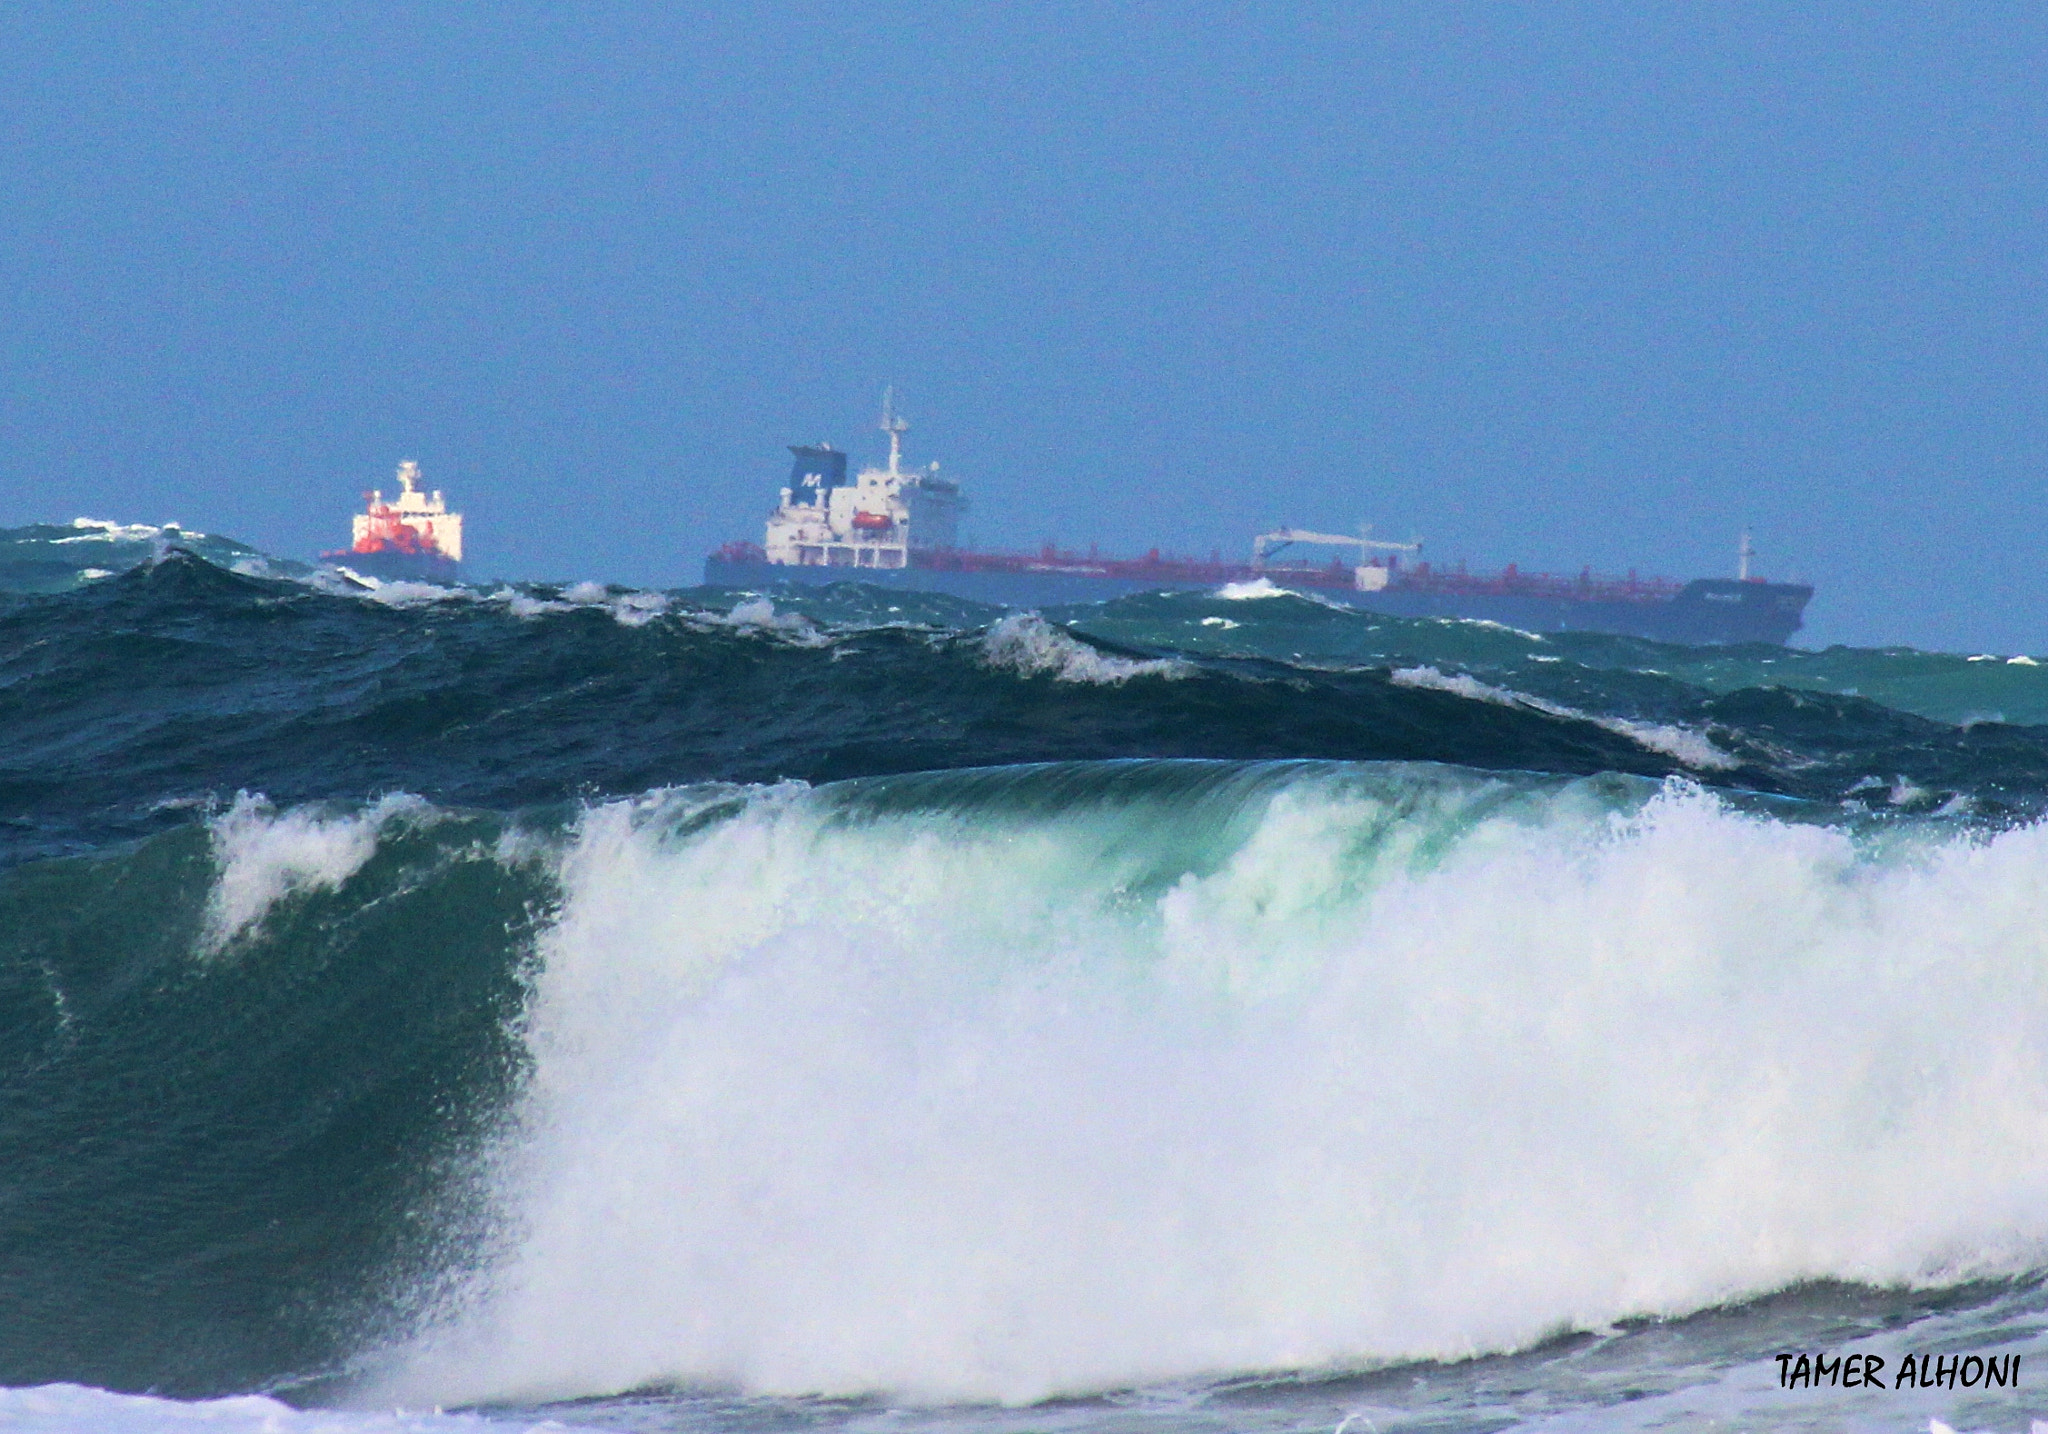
{"points": [[764, 1013]]}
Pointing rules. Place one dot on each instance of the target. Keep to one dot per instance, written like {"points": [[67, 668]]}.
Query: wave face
{"points": [[240, 1061], [1033, 1081], [424, 996], [49, 558], [179, 682]]}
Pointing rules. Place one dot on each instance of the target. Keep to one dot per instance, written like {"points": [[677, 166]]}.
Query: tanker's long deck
{"points": [[1707, 610]]}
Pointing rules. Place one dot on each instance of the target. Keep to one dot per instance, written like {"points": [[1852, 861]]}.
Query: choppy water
{"points": [[736, 1012]]}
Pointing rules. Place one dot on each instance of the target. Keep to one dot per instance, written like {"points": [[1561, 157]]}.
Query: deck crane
{"points": [[1368, 575]]}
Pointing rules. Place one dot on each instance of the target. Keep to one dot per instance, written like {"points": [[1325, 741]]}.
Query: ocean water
{"points": [[577, 1007]]}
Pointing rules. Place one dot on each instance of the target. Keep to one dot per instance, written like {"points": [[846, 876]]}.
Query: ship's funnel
{"points": [[816, 472]]}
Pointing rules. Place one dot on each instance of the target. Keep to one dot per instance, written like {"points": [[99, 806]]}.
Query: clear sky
{"points": [[1549, 283]]}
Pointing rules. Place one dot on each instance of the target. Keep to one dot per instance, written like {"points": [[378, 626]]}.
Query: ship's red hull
{"points": [[1705, 610], [392, 563]]}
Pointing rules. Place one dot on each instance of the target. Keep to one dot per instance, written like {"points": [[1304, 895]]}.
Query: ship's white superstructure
{"points": [[876, 521], [431, 526]]}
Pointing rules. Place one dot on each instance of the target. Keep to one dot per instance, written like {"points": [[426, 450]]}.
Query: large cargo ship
{"points": [[413, 537], [898, 528]]}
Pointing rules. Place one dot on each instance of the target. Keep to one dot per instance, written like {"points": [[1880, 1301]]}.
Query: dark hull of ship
{"points": [[1704, 611]]}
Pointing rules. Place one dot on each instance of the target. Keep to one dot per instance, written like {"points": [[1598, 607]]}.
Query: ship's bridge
{"points": [[876, 521], [416, 519]]}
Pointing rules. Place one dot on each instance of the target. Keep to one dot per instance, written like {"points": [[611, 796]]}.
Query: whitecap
{"points": [[101, 530], [1254, 589], [264, 856], [1683, 744], [1028, 645], [68, 1408], [1487, 622], [1392, 1063], [392, 592]]}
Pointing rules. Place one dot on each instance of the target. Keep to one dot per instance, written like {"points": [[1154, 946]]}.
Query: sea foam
{"points": [[1693, 749], [264, 856], [67, 1408], [1281, 1068], [1028, 645]]}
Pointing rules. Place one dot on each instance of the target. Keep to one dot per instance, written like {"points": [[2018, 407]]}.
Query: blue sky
{"points": [[1557, 284]]}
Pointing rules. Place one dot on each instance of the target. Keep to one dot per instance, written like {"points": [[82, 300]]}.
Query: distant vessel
{"points": [[415, 537], [897, 527]]}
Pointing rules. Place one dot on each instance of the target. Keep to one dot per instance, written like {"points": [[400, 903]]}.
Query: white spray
{"points": [[1320, 1067]]}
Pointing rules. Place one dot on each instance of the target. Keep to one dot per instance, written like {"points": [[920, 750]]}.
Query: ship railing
{"points": [[1171, 569], [1512, 582], [1154, 567]]}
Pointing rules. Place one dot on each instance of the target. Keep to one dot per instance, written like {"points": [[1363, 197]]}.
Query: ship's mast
{"points": [[409, 476], [895, 427]]}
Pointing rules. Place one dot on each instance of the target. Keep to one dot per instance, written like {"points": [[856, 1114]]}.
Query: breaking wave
{"points": [[1691, 748], [411, 995], [1028, 645], [1012, 1084]]}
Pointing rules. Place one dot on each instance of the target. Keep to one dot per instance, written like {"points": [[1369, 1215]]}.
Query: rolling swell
{"points": [[180, 680], [1956, 688], [228, 1146], [1187, 985], [1036, 1081]]}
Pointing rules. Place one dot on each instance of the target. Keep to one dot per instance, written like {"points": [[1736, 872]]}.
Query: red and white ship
{"points": [[412, 537]]}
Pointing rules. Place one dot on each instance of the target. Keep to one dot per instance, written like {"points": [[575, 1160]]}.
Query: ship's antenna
{"points": [[1742, 557], [409, 476], [894, 426]]}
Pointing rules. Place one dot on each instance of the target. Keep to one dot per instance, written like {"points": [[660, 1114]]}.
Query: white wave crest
{"points": [[1028, 645], [760, 612], [527, 605], [102, 530], [392, 592], [757, 616], [630, 608], [265, 856], [637, 609], [1682, 744], [1386, 1064], [1492, 626], [1253, 590]]}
